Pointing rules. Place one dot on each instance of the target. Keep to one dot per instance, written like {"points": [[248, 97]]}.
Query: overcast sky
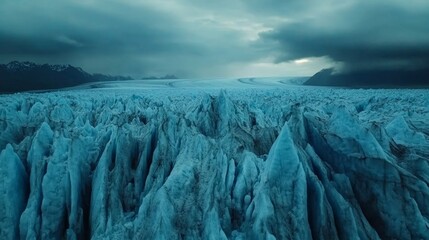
{"points": [[222, 38]]}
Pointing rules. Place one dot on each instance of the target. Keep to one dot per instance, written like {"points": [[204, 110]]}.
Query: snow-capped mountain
{"points": [[23, 76], [16, 66], [254, 163]]}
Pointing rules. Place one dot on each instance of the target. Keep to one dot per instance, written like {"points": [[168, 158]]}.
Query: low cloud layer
{"points": [[193, 38]]}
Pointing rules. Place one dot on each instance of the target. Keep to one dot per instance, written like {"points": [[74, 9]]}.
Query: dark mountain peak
{"points": [[321, 78], [58, 67]]}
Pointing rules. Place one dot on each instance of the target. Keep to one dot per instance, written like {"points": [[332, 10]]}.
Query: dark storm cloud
{"points": [[67, 30], [359, 34], [134, 37], [215, 38]]}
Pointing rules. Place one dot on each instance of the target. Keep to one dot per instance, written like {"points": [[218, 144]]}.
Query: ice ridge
{"points": [[283, 164]]}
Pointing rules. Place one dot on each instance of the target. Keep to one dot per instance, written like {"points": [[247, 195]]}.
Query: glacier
{"points": [[215, 163]]}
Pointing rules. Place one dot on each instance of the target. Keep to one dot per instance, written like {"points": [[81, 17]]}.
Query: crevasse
{"points": [[236, 164]]}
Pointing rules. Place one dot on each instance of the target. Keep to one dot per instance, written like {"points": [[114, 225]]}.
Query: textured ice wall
{"points": [[237, 164]]}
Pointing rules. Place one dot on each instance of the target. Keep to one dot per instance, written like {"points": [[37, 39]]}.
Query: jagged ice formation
{"points": [[304, 163]]}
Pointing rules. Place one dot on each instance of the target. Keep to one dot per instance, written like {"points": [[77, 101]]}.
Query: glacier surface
{"points": [[254, 163]]}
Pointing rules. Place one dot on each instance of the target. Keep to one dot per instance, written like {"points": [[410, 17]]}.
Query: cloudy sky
{"points": [[223, 38]]}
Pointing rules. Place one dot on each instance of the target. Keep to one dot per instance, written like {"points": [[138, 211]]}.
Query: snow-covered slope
{"points": [[209, 83], [256, 163]]}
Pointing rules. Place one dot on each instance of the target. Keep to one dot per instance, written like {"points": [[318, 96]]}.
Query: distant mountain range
{"points": [[372, 78], [25, 76]]}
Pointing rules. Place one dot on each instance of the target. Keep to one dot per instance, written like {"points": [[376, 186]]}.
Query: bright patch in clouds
{"points": [[301, 61]]}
